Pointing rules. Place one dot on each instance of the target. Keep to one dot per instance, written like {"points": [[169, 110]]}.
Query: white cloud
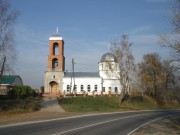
{"points": [[140, 30], [143, 44]]}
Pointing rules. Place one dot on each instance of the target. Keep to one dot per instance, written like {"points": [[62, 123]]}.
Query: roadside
{"points": [[52, 110], [166, 126]]}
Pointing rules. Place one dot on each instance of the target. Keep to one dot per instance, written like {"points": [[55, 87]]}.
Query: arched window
{"points": [[55, 64], [55, 48], [89, 88], [68, 87], [95, 87], [82, 87]]}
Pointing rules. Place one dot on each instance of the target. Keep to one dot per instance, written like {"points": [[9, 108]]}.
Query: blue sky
{"points": [[87, 27]]}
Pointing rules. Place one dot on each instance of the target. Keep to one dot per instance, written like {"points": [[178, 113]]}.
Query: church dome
{"points": [[108, 57]]}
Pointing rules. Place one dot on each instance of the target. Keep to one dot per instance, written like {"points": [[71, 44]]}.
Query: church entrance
{"points": [[54, 87]]}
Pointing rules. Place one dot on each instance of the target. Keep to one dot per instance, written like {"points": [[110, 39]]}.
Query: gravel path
{"points": [[51, 105]]}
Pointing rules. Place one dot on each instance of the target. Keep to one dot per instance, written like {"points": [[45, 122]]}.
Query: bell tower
{"points": [[56, 66], [56, 54]]}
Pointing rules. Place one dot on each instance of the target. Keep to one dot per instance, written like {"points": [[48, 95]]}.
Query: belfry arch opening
{"points": [[55, 64], [55, 48]]}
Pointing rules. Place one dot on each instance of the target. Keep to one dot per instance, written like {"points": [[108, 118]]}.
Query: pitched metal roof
{"points": [[81, 74], [8, 79]]}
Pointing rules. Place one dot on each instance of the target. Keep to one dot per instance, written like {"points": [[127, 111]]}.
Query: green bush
{"points": [[21, 92]]}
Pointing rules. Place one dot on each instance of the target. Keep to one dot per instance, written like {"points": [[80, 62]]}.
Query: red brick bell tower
{"points": [[56, 60], [53, 81]]}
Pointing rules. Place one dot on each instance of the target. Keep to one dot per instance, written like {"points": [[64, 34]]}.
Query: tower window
{"points": [[55, 48]]}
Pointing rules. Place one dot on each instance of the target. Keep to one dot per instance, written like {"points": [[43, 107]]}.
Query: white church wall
{"points": [[85, 83], [111, 85]]}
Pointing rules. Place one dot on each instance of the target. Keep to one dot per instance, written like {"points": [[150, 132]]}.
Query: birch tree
{"points": [[122, 50], [7, 44]]}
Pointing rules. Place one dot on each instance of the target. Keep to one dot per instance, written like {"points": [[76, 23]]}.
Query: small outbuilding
{"points": [[9, 81]]}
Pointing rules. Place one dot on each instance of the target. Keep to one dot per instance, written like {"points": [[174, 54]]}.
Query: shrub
{"points": [[21, 92]]}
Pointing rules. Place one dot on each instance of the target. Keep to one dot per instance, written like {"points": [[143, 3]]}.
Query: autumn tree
{"points": [[122, 50], [157, 76], [7, 46]]}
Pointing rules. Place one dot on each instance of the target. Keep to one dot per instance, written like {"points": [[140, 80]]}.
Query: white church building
{"points": [[58, 81]]}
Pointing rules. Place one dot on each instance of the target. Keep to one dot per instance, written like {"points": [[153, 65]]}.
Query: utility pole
{"points": [[72, 77], [2, 69]]}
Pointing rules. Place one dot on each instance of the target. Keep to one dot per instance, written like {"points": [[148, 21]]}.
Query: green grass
{"points": [[89, 104], [110, 104]]}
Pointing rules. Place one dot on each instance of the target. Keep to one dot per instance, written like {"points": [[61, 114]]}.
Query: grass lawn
{"points": [[110, 104]]}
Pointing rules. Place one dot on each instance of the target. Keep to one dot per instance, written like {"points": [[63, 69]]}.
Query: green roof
{"points": [[9, 79]]}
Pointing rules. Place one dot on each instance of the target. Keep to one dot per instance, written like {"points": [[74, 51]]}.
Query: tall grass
{"points": [[21, 105]]}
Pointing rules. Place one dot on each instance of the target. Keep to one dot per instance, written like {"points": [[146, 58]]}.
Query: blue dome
{"points": [[108, 57]]}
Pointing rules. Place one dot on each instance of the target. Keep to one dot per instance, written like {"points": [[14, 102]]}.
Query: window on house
{"points": [[82, 87], [89, 88], [95, 87]]}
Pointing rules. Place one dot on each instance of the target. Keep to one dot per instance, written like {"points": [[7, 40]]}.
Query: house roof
{"points": [[8, 79], [82, 74]]}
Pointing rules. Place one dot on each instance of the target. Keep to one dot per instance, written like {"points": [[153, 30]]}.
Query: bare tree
{"points": [[7, 46], [176, 16], [173, 42], [122, 50]]}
